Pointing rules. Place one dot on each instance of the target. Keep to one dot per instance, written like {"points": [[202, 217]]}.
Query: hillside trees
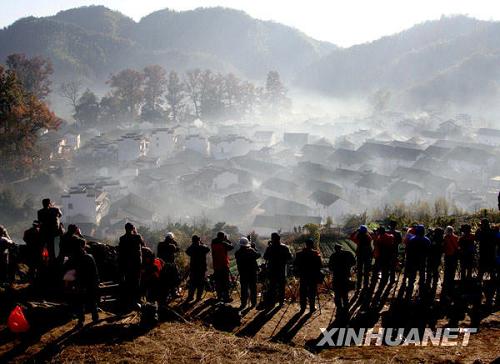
{"points": [[23, 115], [127, 89], [87, 109], [155, 85], [154, 95], [275, 96], [175, 96], [33, 74], [71, 91]]}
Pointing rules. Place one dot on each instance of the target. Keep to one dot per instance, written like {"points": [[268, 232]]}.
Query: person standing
{"points": [[486, 237], [398, 240], [417, 250], [340, 264], [384, 258], [246, 260], [364, 255], [50, 226], [450, 250], [434, 259], [467, 249], [308, 266], [34, 249], [170, 276], [69, 243], [168, 248], [277, 256], [197, 253], [87, 282], [220, 259], [129, 262]]}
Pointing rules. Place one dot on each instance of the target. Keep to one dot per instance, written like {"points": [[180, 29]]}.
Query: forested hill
{"points": [[95, 41], [453, 59]]}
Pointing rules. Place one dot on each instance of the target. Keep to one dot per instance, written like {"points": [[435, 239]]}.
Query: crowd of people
{"points": [[381, 258]]}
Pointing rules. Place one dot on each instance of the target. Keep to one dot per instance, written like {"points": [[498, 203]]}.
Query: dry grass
{"points": [[183, 343], [122, 340]]}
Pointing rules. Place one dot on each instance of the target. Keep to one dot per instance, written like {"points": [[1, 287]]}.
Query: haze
{"points": [[342, 23]]}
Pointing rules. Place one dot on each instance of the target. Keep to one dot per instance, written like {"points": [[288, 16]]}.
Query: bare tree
{"points": [[71, 91], [193, 86]]}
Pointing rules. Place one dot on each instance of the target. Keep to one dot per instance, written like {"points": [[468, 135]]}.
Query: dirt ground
{"points": [[279, 335]]}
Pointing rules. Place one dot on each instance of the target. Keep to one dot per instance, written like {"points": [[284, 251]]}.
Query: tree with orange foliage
{"points": [[22, 117]]}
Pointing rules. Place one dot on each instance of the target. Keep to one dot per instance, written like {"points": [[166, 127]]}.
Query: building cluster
{"points": [[272, 178]]}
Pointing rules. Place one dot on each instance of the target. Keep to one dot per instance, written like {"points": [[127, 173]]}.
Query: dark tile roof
{"points": [[374, 181], [324, 198]]}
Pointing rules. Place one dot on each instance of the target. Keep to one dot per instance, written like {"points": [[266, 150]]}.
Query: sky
{"points": [[343, 22]]}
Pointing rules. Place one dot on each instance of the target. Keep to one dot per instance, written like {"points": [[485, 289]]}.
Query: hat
{"points": [[363, 229], [170, 235], [244, 242]]}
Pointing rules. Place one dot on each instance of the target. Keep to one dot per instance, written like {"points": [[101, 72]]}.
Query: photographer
{"points": [[277, 256], [49, 217], [308, 266], [220, 248]]}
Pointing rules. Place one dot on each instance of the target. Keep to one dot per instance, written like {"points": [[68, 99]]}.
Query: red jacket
{"points": [[220, 256]]}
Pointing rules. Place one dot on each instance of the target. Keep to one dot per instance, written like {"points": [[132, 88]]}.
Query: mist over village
{"points": [[188, 126]]}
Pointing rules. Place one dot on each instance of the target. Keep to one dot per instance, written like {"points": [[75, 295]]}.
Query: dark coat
{"points": [[49, 219], [246, 260], [130, 252], [198, 258], [308, 265], [167, 250], [340, 265], [277, 257]]}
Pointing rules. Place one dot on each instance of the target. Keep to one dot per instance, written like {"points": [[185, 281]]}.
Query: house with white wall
{"points": [[84, 205], [295, 140], [162, 143], [197, 143], [131, 146], [264, 138], [229, 146], [488, 136]]}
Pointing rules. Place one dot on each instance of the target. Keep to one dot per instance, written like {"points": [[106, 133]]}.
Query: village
{"points": [[263, 177]]}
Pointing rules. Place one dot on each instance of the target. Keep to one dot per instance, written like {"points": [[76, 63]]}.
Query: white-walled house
{"points": [[162, 143], [295, 140], [229, 146], [71, 140], [131, 146], [264, 138], [82, 205], [488, 136], [197, 143], [208, 179]]}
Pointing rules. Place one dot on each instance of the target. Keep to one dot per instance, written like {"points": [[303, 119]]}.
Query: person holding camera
{"points": [[220, 258], [308, 266], [277, 256], [50, 226]]}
